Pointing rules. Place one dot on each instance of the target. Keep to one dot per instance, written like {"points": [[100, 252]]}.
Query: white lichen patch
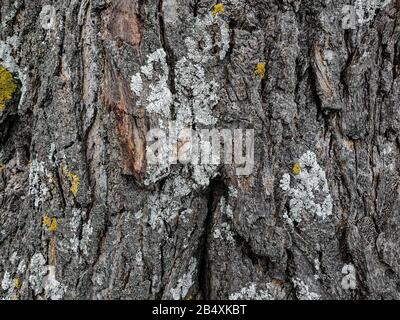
{"points": [[166, 207], [99, 279], [75, 219], [202, 174], [308, 191], [42, 279], [71, 243], [14, 257], [6, 57], [7, 281], [271, 292], [224, 43], [366, 9], [285, 182], [74, 224], [21, 267], [349, 281], [47, 17], [38, 270], [224, 232], [269, 184], [161, 211], [151, 84], [87, 232], [139, 215], [213, 34], [139, 259], [317, 266], [233, 192], [184, 217], [185, 283], [137, 84], [303, 292], [53, 289], [196, 95], [38, 179]]}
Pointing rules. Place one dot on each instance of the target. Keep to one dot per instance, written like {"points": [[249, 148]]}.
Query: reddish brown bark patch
{"points": [[131, 124], [122, 25], [123, 22]]}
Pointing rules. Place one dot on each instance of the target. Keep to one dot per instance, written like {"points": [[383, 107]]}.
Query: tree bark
{"points": [[85, 215]]}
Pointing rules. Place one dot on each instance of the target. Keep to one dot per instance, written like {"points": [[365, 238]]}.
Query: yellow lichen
{"points": [[261, 69], [50, 223], [17, 283], [2, 167], [53, 226], [296, 168], [8, 86], [74, 180], [47, 220], [218, 8]]}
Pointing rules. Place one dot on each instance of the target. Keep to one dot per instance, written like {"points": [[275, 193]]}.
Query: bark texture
{"points": [[84, 216]]}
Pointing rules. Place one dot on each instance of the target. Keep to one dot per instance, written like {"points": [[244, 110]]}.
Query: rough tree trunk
{"points": [[84, 215]]}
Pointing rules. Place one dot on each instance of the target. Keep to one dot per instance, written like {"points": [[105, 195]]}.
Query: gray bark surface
{"points": [[82, 215]]}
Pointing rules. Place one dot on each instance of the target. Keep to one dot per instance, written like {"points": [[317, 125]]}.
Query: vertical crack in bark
{"points": [[290, 265], [60, 188], [216, 190], [169, 53], [195, 8]]}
